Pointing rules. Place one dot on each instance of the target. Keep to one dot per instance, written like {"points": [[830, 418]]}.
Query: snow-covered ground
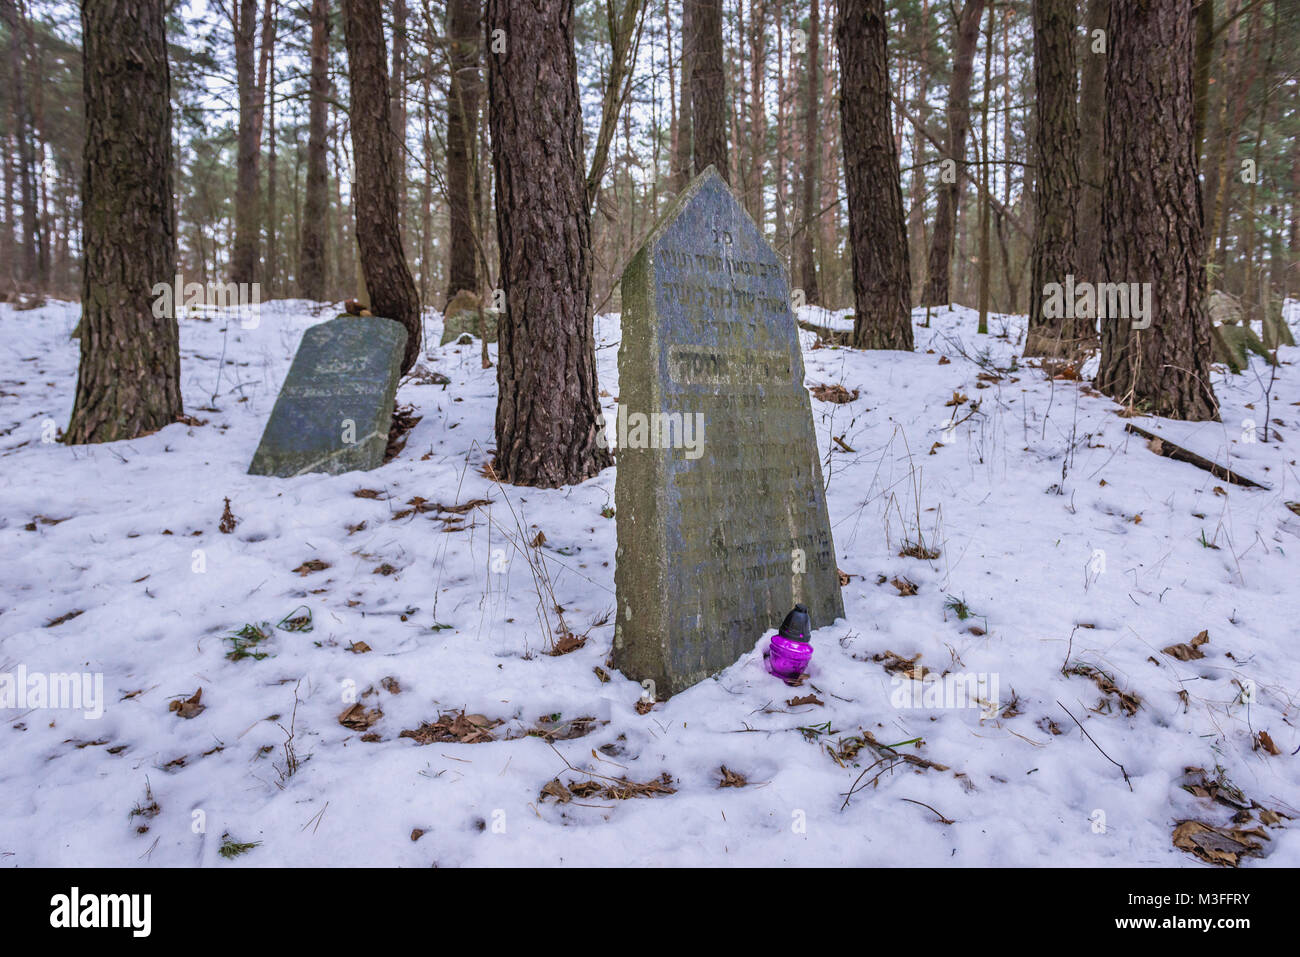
{"points": [[1075, 552]]}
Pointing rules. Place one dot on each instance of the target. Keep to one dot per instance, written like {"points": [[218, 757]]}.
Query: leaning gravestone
{"points": [[336, 406], [718, 537]]}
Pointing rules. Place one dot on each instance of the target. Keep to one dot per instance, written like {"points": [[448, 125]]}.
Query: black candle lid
{"points": [[797, 625]]}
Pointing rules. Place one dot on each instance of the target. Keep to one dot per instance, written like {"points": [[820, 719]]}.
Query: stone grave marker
{"points": [[336, 406], [722, 523]]}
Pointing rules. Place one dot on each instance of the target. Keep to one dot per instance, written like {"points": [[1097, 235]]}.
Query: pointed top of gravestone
{"points": [[708, 180]]}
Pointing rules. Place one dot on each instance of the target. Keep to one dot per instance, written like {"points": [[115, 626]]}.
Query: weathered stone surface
{"points": [[335, 408], [718, 541], [461, 317], [1224, 309]]}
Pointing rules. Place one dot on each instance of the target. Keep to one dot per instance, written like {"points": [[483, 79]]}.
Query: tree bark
{"points": [[19, 43], [754, 203], [882, 284], [464, 31], [936, 292], [272, 214], [811, 173], [128, 383], [243, 261], [682, 146], [1152, 215], [379, 238], [708, 88], [1092, 142], [312, 262], [398, 93], [1056, 182], [548, 417]]}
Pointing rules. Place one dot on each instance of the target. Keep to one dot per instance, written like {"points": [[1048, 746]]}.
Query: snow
{"points": [[1020, 499]]}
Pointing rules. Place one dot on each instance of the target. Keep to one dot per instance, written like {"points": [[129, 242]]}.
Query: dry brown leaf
{"points": [[905, 586], [455, 727], [806, 699], [730, 779], [358, 718], [556, 790], [957, 399], [1189, 652], [1217, 845], [569, 642], [228, 520], [564, 730], [834, 393], [464, 507], [311, 565], [1128, 702], [189, 708], [1262, 740], [895, 663]]}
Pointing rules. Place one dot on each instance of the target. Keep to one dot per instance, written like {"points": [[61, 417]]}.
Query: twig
{"points": [[942, 819], [1179, 454], [854, 789], [1098, 746]]}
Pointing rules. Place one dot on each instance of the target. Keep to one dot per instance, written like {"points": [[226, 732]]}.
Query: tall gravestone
{"points": [[336, 406], [718, 541]]}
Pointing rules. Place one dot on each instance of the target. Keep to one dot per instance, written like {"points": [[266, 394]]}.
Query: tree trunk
{"points": [[945, 217], [398, 94], [548, 414], [128, 383], [708, 88], [985, 247], [312, 263], [243, 261], [1056, 181], [916, 192], [272, 246], [1092, 141], [374, 200], [426, 181], [682, 146], [882, 284], [811, 173], [754, 203], [1152, 215], [464, 31], [19, 37]]}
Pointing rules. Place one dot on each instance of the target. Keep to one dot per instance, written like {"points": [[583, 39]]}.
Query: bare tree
{"points": [[548, 414], [379, 237], [882, 285], [128, 383]]}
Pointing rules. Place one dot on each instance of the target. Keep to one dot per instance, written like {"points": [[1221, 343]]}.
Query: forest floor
{"points": [[1071, 566]]}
